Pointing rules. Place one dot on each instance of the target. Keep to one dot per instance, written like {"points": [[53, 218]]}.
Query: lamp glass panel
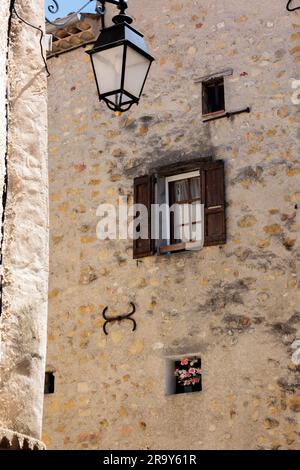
{"points": [[108, 68], [122, 98], [135, 72]]}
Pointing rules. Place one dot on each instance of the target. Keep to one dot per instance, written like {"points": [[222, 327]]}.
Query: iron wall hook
{"points": [[119, 318], [290, 8]]}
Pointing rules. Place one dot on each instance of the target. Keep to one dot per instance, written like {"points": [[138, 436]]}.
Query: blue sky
{"points": [[66, 6]]}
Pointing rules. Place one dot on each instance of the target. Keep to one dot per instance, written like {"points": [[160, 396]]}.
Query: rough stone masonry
{"points": [[24, 286], [236, 306]]}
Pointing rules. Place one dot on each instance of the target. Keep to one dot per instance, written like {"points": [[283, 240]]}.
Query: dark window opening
{"points": [[49, 383], [188, 375], [213, 96]]}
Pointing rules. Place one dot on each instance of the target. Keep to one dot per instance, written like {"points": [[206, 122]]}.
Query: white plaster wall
{"points": [[4, 7], [24, 316]]}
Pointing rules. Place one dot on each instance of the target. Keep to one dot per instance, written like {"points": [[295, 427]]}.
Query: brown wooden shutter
{"points": [[143, 194], [213, 196], [205, 104]]}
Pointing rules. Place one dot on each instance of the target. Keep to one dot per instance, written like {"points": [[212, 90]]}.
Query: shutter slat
{"points": [[143, 194], [213, 194]]}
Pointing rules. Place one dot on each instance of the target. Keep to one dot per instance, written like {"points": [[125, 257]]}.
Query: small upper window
{"points": [[213, 96]]}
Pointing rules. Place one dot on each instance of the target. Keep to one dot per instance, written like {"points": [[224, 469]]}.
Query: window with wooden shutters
{"points": [[194, 184], [143, 245]]}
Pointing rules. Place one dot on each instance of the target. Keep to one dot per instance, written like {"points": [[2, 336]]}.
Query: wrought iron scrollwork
{"points": [[54, 8], [119, 318], [100, 8], [289, 6]]}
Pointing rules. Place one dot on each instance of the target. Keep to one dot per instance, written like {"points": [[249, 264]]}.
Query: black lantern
{"points": [[121, 62]]}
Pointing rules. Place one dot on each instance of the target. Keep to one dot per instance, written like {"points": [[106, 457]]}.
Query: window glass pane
{"points": [[213, 96], [181, 190], [181, 217], [185, 233], [221, 97], [196, 235], [121, 98], [186, 209], [136, 70], [195, 187], [196, 212], [182, 214], [108, 68]]}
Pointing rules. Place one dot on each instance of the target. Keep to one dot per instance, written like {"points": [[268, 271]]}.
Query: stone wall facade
{"points": [[237, 306], [23, 150]]}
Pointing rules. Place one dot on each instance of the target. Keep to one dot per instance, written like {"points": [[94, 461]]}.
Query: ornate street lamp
{"points": [[120, 60]]}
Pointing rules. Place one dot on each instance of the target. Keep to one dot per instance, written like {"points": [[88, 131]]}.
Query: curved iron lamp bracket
{"points": [[122, 5], [119, 318]]}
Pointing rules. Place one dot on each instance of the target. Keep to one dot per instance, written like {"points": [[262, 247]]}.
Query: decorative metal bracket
{"points": [[119, 318], [54, 8], [122, 5], [290, 8]]}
